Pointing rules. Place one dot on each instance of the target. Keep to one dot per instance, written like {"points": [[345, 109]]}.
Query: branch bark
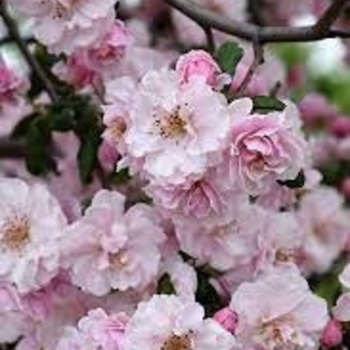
{"points": [[268, 34], [32, 62], [330, 16]]}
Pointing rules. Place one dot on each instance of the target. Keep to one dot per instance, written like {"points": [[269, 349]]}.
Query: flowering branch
{"points": [[269, 34], [32, 62], [326, 21]]}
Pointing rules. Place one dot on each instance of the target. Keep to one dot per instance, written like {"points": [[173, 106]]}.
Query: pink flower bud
{"points": [[340, 126], [332, 334], [227, 318], [197, 63], [316, 110]]}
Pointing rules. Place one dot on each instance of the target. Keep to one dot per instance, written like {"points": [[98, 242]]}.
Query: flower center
{"points": [[171, 125], [178, 342], [118, 260], [62, 8], [16, 233]]}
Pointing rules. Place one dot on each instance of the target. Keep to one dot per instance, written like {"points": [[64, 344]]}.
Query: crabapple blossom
{"points": [[278, 311], [342, 309], [15, 322], [332, 334], [167, 322], [227, 318], [32, 226], [198, 63], [226, 243], [325, 224], [111, 249], [96, 330], [65, 25], [91, 66], [264, 147], [207, 198], [11, 86], [173, 128]]}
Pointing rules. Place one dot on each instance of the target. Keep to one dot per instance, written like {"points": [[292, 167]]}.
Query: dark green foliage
{"points": [[267, 104], [165, 286], [298, 182], [228, 56]]}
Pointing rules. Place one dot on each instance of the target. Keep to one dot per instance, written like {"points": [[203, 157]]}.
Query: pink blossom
{"points": [[227, 319], [316, 110], [32, 225], [206, 198], [10, 85], [197, 63], [182, 275], [224, 244], [169, 322], [112, 47], [109, 249], [174, 129], [332, 335], [66, 25], [278, 311], [340, 126], [265, 148], [326, 227], [341, 311], [78, 70], [104, 330], [14, 320]]}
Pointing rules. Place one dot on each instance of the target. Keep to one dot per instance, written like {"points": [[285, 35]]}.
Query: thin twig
{"points": [[8, 40], [11, 149], [32, 62], [210, 38], [254, 9], [249, 31], [257, 61], [330, 16]]}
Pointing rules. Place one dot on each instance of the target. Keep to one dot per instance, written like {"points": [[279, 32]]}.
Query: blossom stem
{"points": [[257, 61]]}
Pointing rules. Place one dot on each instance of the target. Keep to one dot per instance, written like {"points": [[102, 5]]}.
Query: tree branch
{"points": [[329, 17], [257, 61], [10, 149], [251, 32], [32, 62]]}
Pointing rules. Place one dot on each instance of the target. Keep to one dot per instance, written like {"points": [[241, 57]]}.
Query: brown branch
{"points": [[210, 38], [32, 62], [251, 32], [11, 149], [257, 61], [330, 16]]}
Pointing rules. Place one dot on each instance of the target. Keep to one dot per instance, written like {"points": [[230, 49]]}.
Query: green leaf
{"points": [[298, 182], [266, 104], [87, 155], [38, 147], [165, 285], [23, 126], [62, 119], [207, 295], [120, 177], [228, 56]]}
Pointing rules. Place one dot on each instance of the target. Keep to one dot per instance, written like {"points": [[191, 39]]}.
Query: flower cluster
{"points": [[185, 202]]}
